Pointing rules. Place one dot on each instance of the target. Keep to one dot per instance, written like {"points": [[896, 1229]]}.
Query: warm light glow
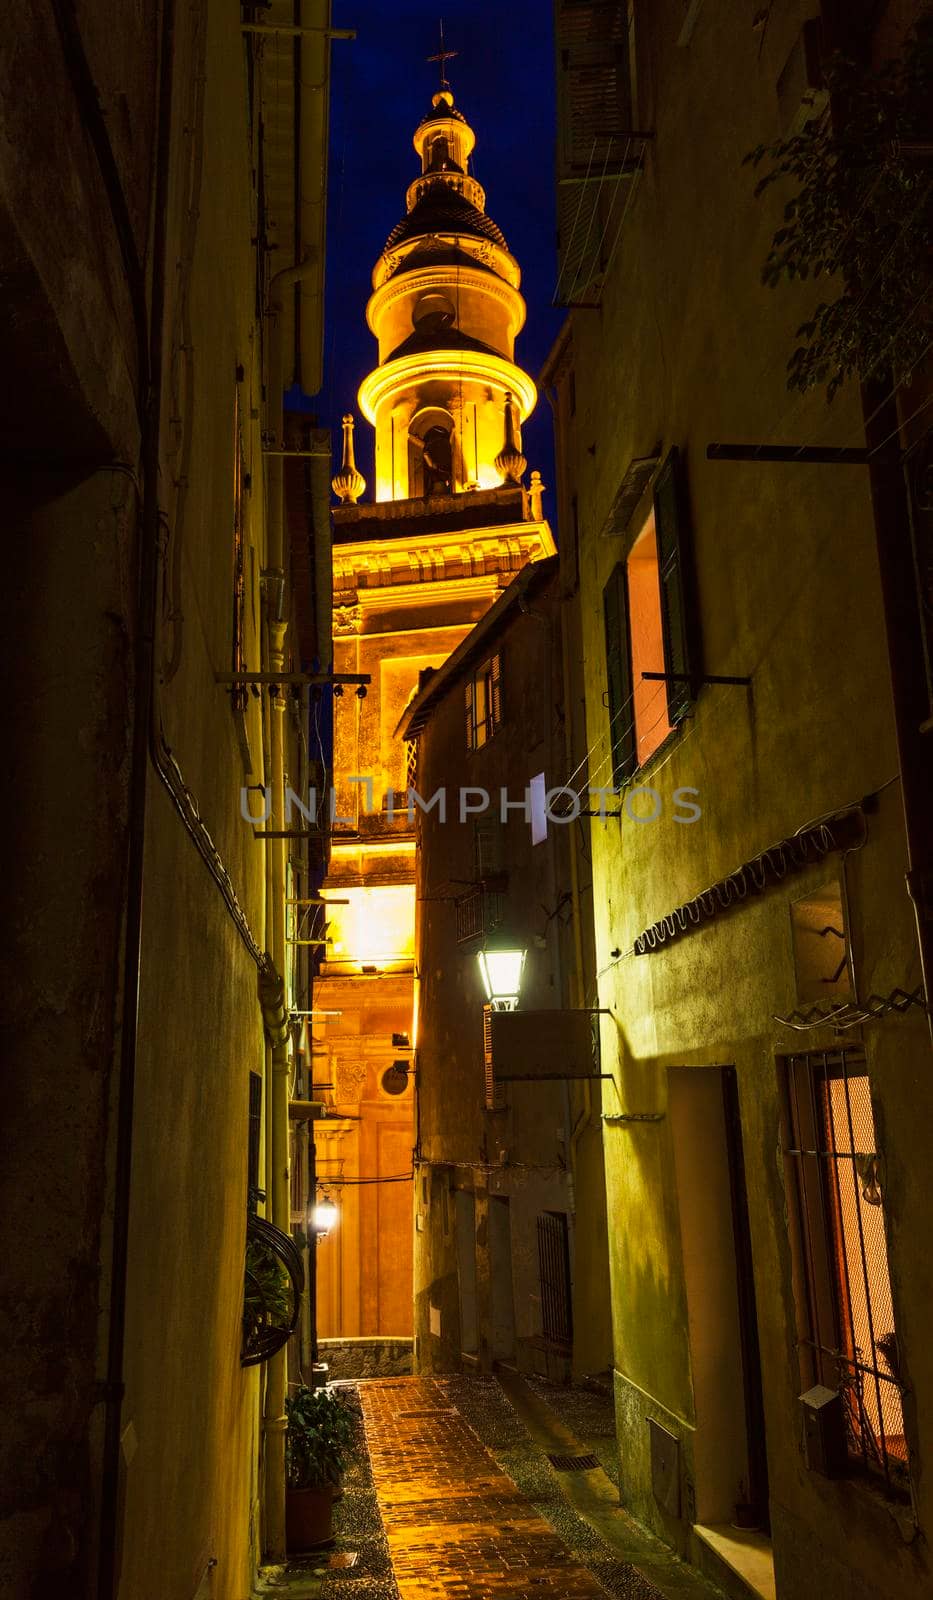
{"points": [[501, 972], [401, 377], [652, 723], [377, 925], [324, 1217]]}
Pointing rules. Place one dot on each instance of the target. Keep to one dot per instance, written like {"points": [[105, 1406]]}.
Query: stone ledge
{"points": [[382, 1356]]}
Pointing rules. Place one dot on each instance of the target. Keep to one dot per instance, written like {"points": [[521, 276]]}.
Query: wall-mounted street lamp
{"points": [[324, 1216], [501, 972]]}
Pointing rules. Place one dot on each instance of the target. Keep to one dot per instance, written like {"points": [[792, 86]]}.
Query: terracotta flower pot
{"points": [[308, 1518]]}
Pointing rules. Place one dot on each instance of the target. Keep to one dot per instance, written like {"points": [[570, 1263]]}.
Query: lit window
{"points": [[849, 1340], [484, 703], [649, 631], [646, 642]]}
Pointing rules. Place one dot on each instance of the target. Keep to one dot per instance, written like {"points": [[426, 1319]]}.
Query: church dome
{"points": [[442, 210]]}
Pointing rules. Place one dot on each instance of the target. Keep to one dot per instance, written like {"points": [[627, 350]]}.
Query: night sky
{"points": [[503, 82]]}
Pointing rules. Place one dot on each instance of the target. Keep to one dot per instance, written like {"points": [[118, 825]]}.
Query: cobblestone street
{"points": [[456, 1523], [455, 1496]]}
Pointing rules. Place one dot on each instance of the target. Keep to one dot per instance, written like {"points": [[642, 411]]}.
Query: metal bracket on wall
{"points": [[634, 1116], [793, 454], [697, 680]]}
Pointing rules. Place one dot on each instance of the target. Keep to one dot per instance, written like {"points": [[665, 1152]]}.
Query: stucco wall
{"points": [[189, 1486], [688, 348]]}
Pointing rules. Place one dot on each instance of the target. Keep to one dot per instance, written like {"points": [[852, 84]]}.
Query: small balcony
{"points": [[479, 911]]}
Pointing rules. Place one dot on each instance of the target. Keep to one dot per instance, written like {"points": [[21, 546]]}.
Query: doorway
{"points": [[730, 1446], [501, 1295], [465, 1213]]}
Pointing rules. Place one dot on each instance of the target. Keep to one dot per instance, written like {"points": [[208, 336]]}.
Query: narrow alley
{"points": [[485, 1488], [468, 897]]}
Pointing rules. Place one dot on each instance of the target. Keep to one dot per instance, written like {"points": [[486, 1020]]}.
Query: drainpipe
{"points": [[890, 497]]}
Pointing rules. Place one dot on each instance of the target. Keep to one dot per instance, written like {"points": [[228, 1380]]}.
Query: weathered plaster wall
{"points": [[190, 1446], [520, 1154], [688, 347]]}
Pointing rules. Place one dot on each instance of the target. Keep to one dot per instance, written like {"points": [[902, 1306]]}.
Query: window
{"points": [[649, 631], [484, 703], [848, 1338], [433, 460]]}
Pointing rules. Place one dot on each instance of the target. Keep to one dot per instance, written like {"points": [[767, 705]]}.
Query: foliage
{"points": [[862, 216], [320, 1429], [266, 1292]]}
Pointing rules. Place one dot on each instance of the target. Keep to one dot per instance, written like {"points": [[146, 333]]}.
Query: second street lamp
{"points": [[501, 972]]}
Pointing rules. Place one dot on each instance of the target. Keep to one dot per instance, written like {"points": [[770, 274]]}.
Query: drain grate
{"points": [[343, 1559], [573, 1463], [437, 1411]]}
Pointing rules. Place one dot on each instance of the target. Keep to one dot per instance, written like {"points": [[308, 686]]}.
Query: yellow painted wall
{"points": [[691, 351]]}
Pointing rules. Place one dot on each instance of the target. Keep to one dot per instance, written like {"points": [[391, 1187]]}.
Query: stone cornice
{"points": [[432, 560], [446, 276]]}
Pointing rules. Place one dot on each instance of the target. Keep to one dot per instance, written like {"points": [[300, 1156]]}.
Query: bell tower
{"points": [[415, 568], [446, 309]]}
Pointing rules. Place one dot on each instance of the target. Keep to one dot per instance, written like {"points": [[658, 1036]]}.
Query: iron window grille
{"points": [[849, 1339]]}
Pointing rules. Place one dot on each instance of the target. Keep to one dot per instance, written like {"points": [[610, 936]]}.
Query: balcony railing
{"points": [[479, 911]]}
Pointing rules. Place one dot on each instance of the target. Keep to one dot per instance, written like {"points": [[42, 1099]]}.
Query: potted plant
{"points": [[320, 1428]]}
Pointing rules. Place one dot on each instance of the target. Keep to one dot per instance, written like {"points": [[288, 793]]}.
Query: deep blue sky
{"points": [[503, 81]]}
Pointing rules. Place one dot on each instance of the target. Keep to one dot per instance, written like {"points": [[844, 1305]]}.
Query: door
{"points": [[502, 1300], [725, 1368], [465, 1213]]}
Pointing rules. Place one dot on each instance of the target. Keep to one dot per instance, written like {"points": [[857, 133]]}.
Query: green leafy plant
{"points": [[320, 1430], [266, 1290], [862, 217]]}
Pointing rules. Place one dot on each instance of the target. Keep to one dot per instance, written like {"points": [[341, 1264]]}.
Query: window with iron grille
{"points": [[849, 1340], [554, 1271], [484, 703]]}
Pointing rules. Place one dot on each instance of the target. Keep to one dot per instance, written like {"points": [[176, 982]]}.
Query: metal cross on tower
{"points": [[443, 56]]}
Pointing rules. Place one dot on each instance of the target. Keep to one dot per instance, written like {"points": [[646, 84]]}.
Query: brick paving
{"points": [[457, 1525]]}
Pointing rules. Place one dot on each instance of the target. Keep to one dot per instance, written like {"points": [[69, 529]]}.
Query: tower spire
{"points": [[443, 56]]}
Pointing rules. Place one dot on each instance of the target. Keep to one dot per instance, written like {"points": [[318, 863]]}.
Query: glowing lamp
{"points": [[501, 972], [324, 1217]]}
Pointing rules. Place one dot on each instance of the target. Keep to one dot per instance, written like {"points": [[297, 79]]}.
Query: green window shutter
{"points": [[678, 620], [495, 680], [470, 734], [619, 677]]}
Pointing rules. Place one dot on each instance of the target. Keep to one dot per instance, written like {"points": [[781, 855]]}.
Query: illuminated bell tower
{"points": [[446, 309], [451, 524]]}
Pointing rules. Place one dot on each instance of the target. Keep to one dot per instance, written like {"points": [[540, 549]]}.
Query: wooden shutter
{"points": [[675, 574], [470, 730], [494, 710], [619, 677]]}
